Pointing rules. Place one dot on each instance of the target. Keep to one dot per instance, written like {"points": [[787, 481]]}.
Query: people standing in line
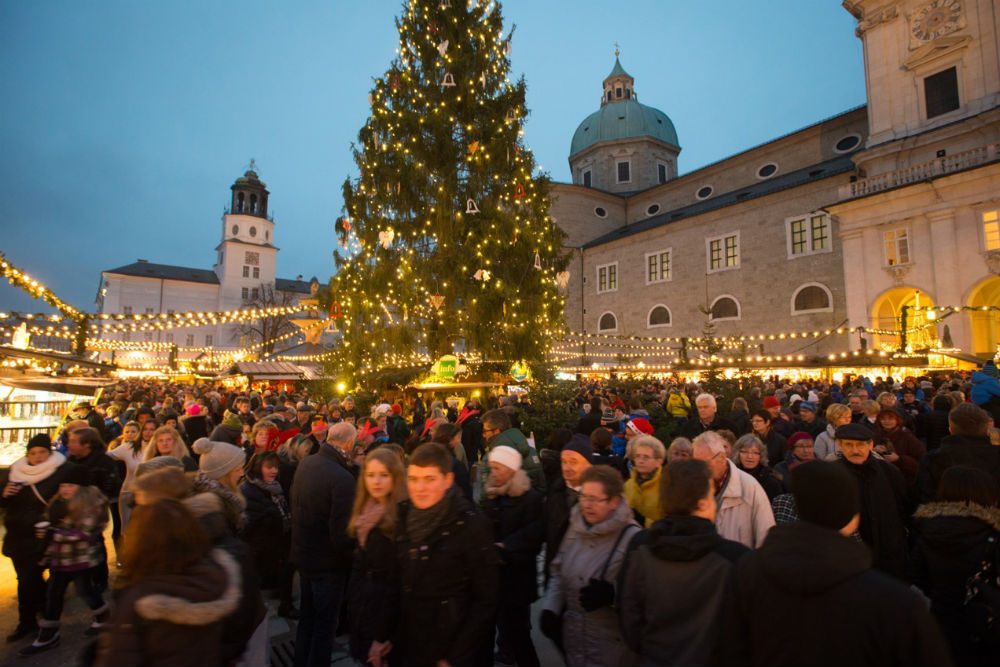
{"points": [[954, 537], [72, 528], [578, 609], [814, 569], [515, 510], [448, 570], [680, 552], [322, 496], [576, 456], [751, 456], [642, 490], [373, 591], [744, 512], [30, 482]]}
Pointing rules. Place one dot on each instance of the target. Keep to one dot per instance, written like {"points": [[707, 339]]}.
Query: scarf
{"points": [[493, 489], [22, 473], [466, 413], [233, 504], [421, 523], [371, 515], [277, 497]]}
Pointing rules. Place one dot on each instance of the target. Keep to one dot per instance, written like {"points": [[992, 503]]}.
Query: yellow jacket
{"points": [[645, 498], [678, 404]]}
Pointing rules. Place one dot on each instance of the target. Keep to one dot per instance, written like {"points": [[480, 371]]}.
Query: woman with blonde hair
{"points": [[825, 446], [371, 592], [168, 442]]}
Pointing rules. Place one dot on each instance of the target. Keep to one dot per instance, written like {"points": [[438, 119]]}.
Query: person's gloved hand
{"points": [[548, 623], [598, 593]]}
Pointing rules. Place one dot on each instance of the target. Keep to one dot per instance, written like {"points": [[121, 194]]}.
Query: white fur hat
{"points": [[507, 456]]}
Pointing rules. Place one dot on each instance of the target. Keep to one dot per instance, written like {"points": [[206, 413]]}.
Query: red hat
{"points": [[795, 437], [771, 402], [640, 425], [397, 409]]}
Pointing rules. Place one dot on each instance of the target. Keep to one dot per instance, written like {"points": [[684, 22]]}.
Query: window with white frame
{"points": [[897, 246], [245, 293], [608, 322], [189, 340], [723, 252], [812, 298], [991, 230], [809, 234], [256, 272], [659, 316], [658, 266], [725, 308], [624, 169], [607, 278], [246, 271], [255, 293]]}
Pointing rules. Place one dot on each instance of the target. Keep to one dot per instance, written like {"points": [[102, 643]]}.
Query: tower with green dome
{"points": [[624, 146]]}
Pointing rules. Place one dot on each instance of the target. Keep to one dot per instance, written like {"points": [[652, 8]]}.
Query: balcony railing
{"points": [[921, 172]]}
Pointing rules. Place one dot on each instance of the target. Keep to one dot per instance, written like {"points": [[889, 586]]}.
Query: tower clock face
{"points": [[936, 19]]}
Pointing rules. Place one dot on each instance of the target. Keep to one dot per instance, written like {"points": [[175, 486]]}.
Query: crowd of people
{"points": [[812, 523]]}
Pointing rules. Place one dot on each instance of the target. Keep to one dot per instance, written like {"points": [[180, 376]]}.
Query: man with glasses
{"points": [[498, 431]]}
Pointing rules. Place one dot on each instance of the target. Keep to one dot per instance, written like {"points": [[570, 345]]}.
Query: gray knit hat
{"points": [[218, 458], [158, 463]]}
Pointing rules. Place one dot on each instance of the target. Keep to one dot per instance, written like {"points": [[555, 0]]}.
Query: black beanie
{"points": [[40, 440], [580, 444], [825, 494]]}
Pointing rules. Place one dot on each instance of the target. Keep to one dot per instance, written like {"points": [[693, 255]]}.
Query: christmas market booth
{"points": [[277, 375]]}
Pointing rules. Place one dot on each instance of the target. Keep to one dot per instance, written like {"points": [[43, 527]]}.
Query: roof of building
{"points": [[618, 70], [817, 172], [271, 370], [145, 269], [623, 119], [286, 285]]}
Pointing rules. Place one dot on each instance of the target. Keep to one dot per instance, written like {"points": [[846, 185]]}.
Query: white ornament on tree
{"points": [[385, 237], [443, 47], [482, 275], [471, 208], [562, 279], [538, 262], [448, 81]]}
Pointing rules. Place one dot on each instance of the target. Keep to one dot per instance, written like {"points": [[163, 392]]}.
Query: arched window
{"points": [[659, 316], [253, 203], [812, 298], [726, 308], [608, 322], [239, 202]]}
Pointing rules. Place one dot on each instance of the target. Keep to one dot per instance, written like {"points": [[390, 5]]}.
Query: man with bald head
{"points": [[744, 513], [322, 496]]}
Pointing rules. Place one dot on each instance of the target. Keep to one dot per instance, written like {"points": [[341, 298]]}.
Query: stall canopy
{"points": [[268, 370]]}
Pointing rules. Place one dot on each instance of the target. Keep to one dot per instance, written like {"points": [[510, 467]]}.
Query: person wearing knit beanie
{"points": [[507, 456], [218, 459], [580, 444], [40, 440], [825, 494]]}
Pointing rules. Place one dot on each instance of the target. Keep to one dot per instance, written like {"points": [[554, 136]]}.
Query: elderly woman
{"points": [[825, 446], [800, 446], [898, 445], [583, 574], [168, 442], [762, 427], [642, 490], [750, 456], [679, 450]]}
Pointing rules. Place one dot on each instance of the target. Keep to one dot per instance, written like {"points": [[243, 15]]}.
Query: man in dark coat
{"points": [[592, 419], [932, 425], [885, 507], [87, 412], [448, 570], [681, 552], [85, 448], [472, 430], [322, 497], [847, 613], [708, 419], [576, 456], [967, 445]]}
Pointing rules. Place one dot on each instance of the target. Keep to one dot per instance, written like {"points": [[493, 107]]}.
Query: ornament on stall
{"points": [[448, 81], [519, 192], [538, 262], [335, 312], [562, 279], [473, 147], [443, 47], [482, 275], [437, 301], [385, 237], [471, 208]]}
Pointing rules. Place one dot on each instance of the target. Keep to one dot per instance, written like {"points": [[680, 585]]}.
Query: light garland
{"points": [[36, 289]]}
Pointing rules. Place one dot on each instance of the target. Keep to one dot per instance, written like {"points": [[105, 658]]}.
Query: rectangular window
{"points": [[897, 247], [255, 293], [246, 271], [208, 340], [127, 310], [607, 278], [256, 272], [169, 338], [189, 340], [149, 311], [941, 92], [246, 293], [658, 266], [587, 178], [723, 252], [624, 171], [991, 229], [661, 172], [808, 235]]}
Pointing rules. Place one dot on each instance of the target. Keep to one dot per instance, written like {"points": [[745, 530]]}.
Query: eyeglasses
{"points": [[749, 452], [592, 500], [643, 457]]}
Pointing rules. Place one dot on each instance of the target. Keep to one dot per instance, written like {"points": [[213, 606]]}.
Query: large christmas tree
{"points": [[446, 244]]}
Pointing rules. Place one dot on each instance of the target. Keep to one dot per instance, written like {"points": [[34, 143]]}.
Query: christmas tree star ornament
{"points": [[471, 208], [443, 47], [473, 147], [448, 81], [562, 279], [437, 301]]}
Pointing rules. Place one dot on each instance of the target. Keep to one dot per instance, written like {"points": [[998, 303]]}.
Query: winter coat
{"points": [[768, 480], [984, 388], [825, 446], [591, 638], [531, 464], [589, 423], [885, 510], [744, 512], [679, 553], [952, 539], [461, 472], [472, 435], [777, 444], [814, 428], [266, 530], [517, 525], [741, 420], [559, 504], [932, 426], [679, 405], [644, 498], [27, 507], [844, 612], [75, 542], [449, 588], [693, 428], [173, 620], [103, 470], [373, 594], [195, 427], [906, 445], [956, 450], [322, 497]]}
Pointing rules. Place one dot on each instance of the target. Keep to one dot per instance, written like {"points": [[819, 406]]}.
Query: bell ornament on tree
{"points": [[519, 192], [482, 275], [471, 208], [538, 262], [448, 81]]}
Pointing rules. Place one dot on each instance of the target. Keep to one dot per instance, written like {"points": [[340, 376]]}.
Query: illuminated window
{"points": [[658, 266], [723, 252], [897, 246], [991, 229]]}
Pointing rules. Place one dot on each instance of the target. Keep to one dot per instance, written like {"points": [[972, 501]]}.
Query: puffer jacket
{"points": [[531, 464], [744, 513], [644, 497], [591, 638], [173, 620], [984, 387], [825, 446], [679, 405]]}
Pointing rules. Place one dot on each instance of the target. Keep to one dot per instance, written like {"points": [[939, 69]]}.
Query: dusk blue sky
{"points": [[123, 123]]}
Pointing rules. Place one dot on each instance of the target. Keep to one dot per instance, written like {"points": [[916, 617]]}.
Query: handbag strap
{"points": [[611, 555]]}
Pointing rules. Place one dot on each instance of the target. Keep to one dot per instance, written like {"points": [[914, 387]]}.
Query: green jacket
{"points": [[531, 464]]}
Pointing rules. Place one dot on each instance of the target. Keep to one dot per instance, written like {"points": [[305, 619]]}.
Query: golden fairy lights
{"points": [[19, 278]]}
